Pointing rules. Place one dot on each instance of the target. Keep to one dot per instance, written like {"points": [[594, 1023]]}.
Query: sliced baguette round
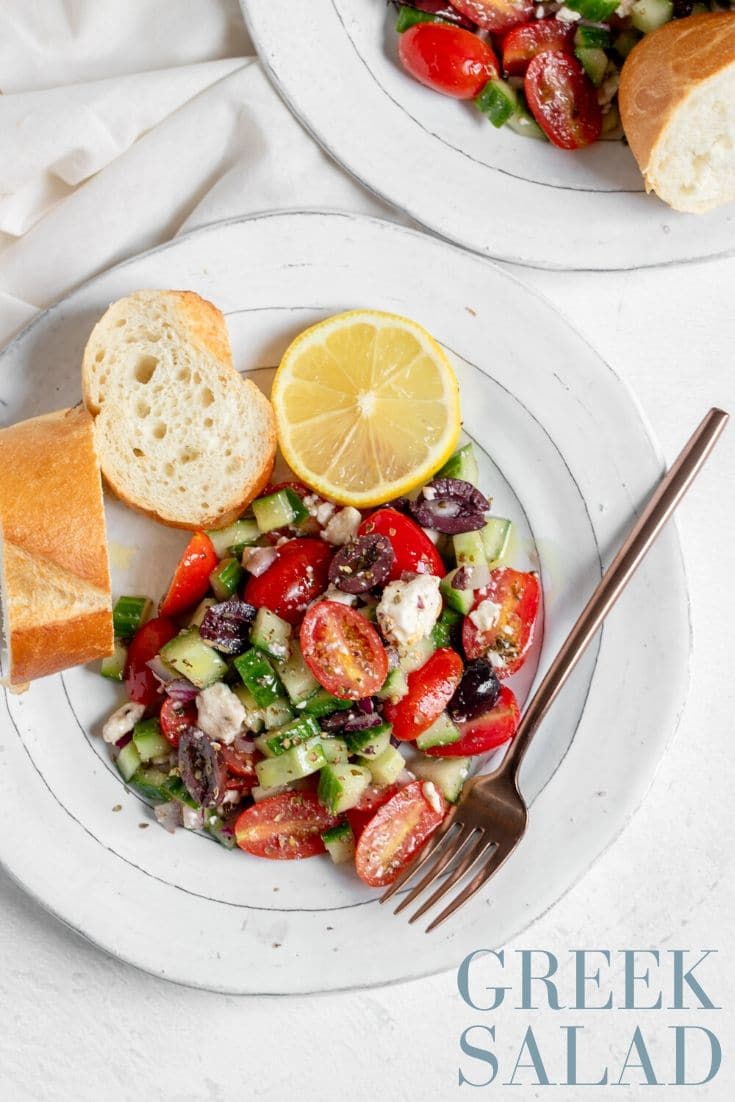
{"points": [[180, 434], [677, 105], [57, 609]]}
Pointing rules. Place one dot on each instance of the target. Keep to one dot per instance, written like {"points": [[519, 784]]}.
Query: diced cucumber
{"points": [[409, 17], [241, 534], [149, 742], [388, 767], [497, 101], [214, 825], [261, 744], [321, 703], [339, 843], [152, 784], [586, 36], [259, 677], [291, 734], [469, 549], [341, 786], [524, 123], [596, 11], [271, 634], [128, 760], [611, 119], [649, 15], [442, 732], [114, 665], [299, 761], [189, 655], [461, 600], [370, 612], [594, 62], [200, 612], [495, 538], [414, 657], [225, 578], [369, 743], [296, 676], [463, 464], [279, 509], [254, 718], [335, 750], [448, 774], [626, 40], [177, 790], [277, 714], [441, 633], [129, 614], [395, 686]]}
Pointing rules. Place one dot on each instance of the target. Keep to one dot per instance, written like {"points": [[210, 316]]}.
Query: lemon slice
{"points": [[367, 407]]}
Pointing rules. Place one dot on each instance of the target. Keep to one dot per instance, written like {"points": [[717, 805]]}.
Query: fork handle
{"points": [[664, 500]]}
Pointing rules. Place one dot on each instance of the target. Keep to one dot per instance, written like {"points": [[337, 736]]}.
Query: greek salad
{"points": [[319, 678], [547, 70]]}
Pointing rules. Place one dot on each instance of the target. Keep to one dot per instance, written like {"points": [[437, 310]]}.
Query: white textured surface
{"points": [[78, 1026]]}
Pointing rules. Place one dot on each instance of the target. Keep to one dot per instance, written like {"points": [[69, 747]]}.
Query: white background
{"points": [[120, 126]]}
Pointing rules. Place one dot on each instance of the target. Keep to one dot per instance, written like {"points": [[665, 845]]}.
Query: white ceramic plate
{"points": [[439, 161], [571, 461]]}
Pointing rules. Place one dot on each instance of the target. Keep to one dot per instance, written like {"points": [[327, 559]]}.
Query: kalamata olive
{"points": [[226, 626], [450, 505], [361, 563], [683, 8], [476, 693], [201, 767]]}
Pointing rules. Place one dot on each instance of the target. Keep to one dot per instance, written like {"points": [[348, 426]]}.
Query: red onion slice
{"points": [[181, 690], [259, 559]]}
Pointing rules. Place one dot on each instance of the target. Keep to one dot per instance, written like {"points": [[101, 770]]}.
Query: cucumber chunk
{"points": [[395, 686], [200, 612], [443, 732], [259, 677], [297, 678], [339, 843], [441, 633], [129, 614], [585, 36], [279, 509], [448, 774], [496, 534], [388, 767], [151, 784], [241, 534], [128, 760], [321, 703], [611, 119], [299, 761], [596, 11], [415, 656], [271, 634], [277, 714], [649, 15], [149, 742], [463, 464], [298, 730], [225, 578], [524, 123], [370, 743], [335, 750], [409, 17], [114, 665], [177, 790], [189, 655], [254, 716], [469, 549], [214, 825], [626, 40], [594, 62], [497, 101], [341, 786], [461, 600]]}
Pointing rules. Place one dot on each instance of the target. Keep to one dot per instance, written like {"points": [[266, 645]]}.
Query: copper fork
{"points": [[485, 827]]}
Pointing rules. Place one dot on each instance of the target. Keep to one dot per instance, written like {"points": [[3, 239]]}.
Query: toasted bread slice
{"points": [[57, 607], [181, 436]]}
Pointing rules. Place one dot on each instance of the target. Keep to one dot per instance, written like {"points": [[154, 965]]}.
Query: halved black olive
{"points": [[450, 505], [362, 563], [201, 767]]}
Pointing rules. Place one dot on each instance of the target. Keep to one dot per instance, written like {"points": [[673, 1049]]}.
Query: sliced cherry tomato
{"points": [[191, 577], [486, 732], [140, 683], [511, 634], [497, 16], [240, 766], [343, 651], [299, 488], [372, 798], [413, 550], [430, 688], [291, 583], [284, 827], [563, 101], [175, 717], [448, 59], [396, 832], [523, 43]]}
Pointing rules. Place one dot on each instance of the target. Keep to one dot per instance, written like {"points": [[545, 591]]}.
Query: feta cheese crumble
{"points": [[342, 526], [220, 713], [567, 15], [331, 593], [409, 609], [486, 615], [122, 722]]}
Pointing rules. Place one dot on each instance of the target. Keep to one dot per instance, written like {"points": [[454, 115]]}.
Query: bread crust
{"points": [[56, 574], [662, 71]]}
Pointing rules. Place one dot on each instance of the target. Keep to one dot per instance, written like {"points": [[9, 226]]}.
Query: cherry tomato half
{"points": [[240, 766], [290, 584], [284, 827], [523, 43], [140, 683], [191, 577], [448, 59], [486, 732], [343, 651], [497, 16], [175, 717], [518, 595], [396, 832], [563, 101], [372, 798], [430, 688], [413, 550]]}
